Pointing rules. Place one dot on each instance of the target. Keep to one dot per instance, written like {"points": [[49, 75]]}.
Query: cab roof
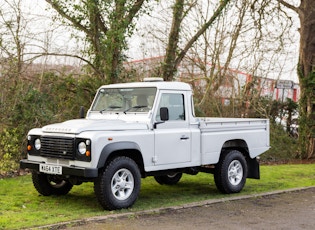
{"points": [[167, 85]]}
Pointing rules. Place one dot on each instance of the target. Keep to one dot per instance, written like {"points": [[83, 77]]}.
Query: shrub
{"points": [[30, 105], [283, 146], [9, 154]]}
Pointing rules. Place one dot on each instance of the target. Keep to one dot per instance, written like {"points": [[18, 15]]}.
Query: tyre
{"points": [[118, 185], [169, 179], [231, 172], [48, 185]]}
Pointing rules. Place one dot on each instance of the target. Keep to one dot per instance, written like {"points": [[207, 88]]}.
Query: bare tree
{"points": [[20, 45], [21, 42], [12, 42], [235, 41]]}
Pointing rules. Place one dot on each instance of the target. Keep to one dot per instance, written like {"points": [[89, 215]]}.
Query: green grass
{"points": [[22, 207]]}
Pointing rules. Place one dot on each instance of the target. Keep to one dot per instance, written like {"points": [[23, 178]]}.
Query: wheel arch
{"points": [[237, 144], [123, 148], [241, 145]]}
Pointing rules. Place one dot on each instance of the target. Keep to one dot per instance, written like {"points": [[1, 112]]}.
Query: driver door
{"points": [[172, 137]]}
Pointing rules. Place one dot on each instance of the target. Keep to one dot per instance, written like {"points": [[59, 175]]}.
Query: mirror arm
{"points": [[156, 123]]}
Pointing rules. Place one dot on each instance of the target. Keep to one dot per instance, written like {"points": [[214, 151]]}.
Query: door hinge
{"points": [[154, 159]]}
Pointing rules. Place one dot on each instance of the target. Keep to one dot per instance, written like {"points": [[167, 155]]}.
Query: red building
{"points": [[226, 83]]}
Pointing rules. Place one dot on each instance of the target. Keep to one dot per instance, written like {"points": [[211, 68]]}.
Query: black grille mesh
{"points": [[57, 147]]}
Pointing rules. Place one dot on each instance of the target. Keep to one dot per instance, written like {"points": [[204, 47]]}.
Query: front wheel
{"points": [[118, 185], [231, 172], [48, 185]]}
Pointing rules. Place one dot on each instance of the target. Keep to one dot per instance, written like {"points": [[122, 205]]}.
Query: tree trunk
{"points": [[169, 68], [174, 55], [306, 73]]}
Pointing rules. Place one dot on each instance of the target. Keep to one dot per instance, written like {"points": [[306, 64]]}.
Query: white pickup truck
{"points": [[135, 130]]}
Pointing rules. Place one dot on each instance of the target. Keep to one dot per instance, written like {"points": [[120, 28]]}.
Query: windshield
{"points": [[124, 100]]}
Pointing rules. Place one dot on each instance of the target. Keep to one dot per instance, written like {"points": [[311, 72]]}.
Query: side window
{"points": [[175, 104]]}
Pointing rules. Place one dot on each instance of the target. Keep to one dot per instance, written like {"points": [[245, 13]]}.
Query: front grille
{"points": [[59, 147]]}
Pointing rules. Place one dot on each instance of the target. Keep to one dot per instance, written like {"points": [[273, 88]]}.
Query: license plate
{"points": [[50, 169]]}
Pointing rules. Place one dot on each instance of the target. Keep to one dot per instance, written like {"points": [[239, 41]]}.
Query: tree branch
{"points": [[296, 9], [215, 15], [38, 55], [134, 10], [75, 23]]}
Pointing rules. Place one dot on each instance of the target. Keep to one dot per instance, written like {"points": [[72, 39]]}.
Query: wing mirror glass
{"points": [[164, 114]]}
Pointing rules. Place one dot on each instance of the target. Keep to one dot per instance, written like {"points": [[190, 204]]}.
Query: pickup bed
{"points": [[135, 130]]}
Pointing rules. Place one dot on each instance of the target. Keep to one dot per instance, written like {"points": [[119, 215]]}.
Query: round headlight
{"points": [[37, 144], [82, 148]]}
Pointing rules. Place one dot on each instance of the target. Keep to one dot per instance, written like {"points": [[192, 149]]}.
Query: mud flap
{"points": [[253, 168]]}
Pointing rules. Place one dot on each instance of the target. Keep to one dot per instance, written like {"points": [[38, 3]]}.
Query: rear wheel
{"points": [[169, 179], [231, 172], [48, 185], [118, 185]]}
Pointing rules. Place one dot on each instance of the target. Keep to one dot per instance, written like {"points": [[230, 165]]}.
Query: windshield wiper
{"points": [[135, 107], [110, 107]]}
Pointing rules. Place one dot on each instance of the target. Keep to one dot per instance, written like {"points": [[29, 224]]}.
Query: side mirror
{"points": [[164, 114], [81, 112]]}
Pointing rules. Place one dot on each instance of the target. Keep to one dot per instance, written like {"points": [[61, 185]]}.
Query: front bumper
{"points": [[66, 170]]}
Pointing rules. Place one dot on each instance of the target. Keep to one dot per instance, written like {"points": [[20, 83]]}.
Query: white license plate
{"points": [[50, 169]]}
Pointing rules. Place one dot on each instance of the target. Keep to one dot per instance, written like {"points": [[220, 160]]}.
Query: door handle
{"points": [[184, 138]]}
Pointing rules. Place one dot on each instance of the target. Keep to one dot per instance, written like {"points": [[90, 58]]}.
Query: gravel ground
{"points": [[293, 209]]}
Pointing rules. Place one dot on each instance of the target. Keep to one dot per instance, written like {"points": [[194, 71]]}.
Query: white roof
{"points": [[168, 85]]}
